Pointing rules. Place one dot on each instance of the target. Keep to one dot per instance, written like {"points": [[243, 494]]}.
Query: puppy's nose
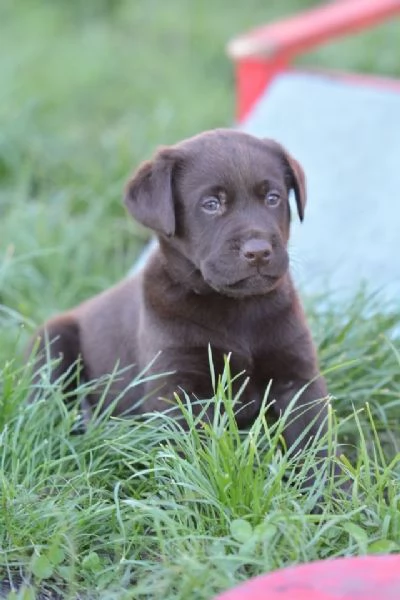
{"points": [[257, 251]]}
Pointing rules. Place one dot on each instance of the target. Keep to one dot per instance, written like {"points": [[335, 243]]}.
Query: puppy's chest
{"points": [[255, 346]]}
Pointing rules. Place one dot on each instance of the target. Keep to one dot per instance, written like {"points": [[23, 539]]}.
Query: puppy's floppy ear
{"points": [[295, 175], [149, 195], [298, 183]]}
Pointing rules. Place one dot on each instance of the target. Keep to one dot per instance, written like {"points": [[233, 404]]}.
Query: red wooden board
{"points": [[359, 578]]}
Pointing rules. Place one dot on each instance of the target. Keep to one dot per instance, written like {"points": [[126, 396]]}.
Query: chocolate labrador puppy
{"points": [[219, 205]]}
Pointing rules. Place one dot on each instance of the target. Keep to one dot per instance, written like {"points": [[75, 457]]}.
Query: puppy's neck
{"points": [[182, 271]]}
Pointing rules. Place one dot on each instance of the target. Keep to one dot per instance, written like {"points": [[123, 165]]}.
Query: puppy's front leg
{"points": [[308, 417], [194, 379], [189, 377], [308, 414]]}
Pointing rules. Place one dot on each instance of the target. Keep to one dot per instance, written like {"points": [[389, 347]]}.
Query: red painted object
{"points": [[359, 578], [266, 51]]}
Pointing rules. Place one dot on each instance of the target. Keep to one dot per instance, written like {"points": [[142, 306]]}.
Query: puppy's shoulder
{"points": [[125, 293]]}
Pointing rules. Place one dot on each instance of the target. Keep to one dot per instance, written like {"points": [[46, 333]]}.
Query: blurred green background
{"points": [[87, 90]]}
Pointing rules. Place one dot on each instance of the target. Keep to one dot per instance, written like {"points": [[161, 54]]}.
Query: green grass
{"points": [[137, 509]]}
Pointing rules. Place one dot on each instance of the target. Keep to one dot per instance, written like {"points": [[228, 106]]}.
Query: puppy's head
{"points": [[219, 203]]}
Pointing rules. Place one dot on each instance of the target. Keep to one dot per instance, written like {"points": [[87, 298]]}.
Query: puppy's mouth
{"points": [[252, 285]]}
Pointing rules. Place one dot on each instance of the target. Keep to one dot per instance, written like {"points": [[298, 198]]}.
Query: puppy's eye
{"points": [[211, 205], [272, 199]]}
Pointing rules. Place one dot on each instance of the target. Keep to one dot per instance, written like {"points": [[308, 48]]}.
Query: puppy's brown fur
{"points": [[218, 203]]}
